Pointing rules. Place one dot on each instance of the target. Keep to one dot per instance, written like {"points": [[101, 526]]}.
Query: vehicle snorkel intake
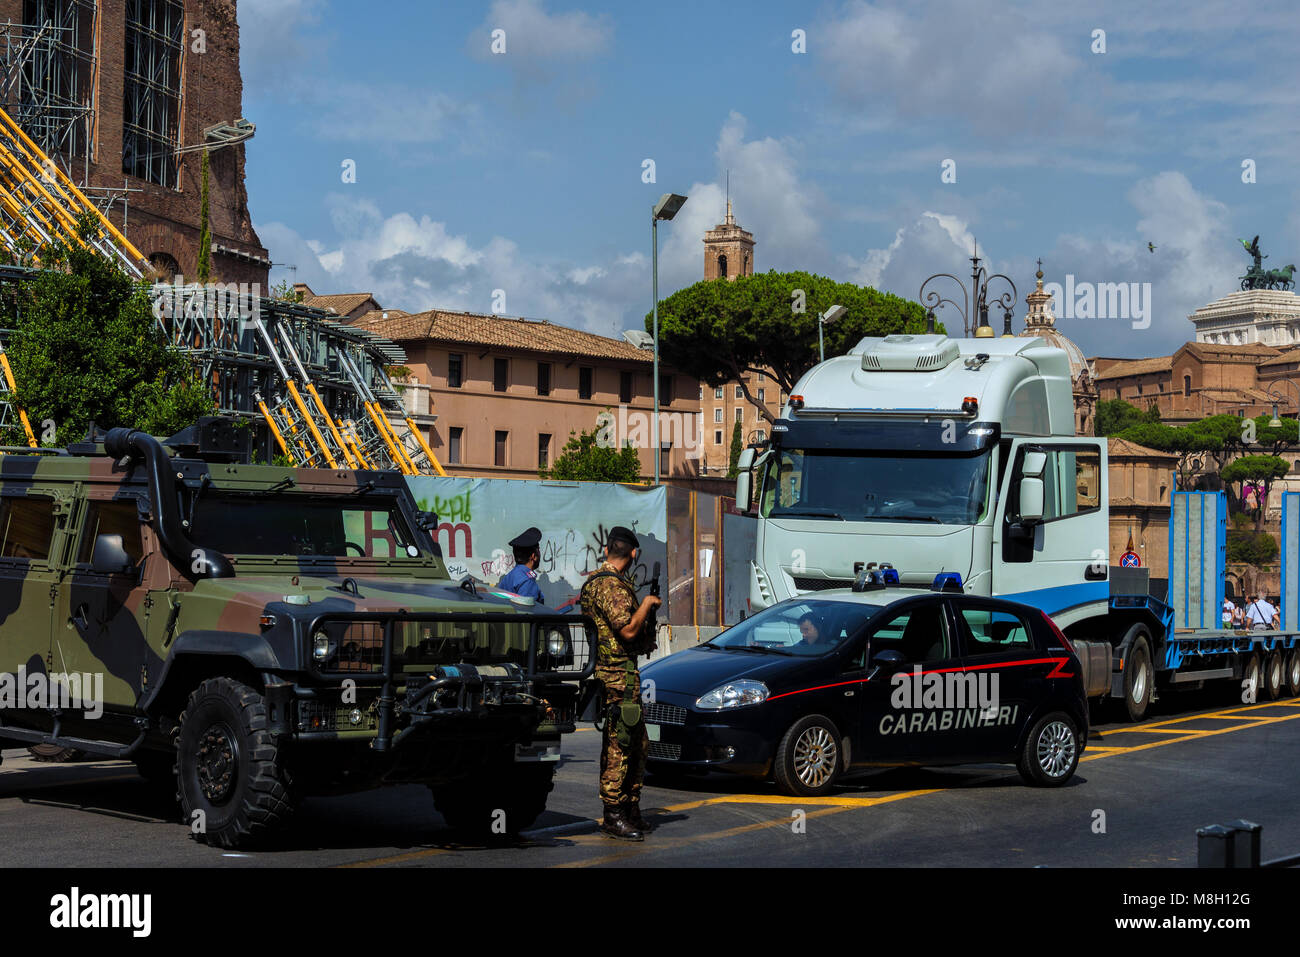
{"points": [[188, 557]]}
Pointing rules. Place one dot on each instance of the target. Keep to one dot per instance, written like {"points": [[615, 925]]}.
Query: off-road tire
{"points": [[1051, 751], [469, 805], [1139, 676], [230, 767], [809, 758]]}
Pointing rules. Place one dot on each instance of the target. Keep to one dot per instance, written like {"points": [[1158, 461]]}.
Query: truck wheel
{"points": [[1293, 671], [500, 800], [54, 754], [1250, 677], [1050, 752], [809, 758], [234, 788], [1139, 678], [1272, 689]]}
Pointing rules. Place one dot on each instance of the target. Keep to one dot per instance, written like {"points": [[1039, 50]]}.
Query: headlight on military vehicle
{"points": [[556, 643], [320, 646], [734, 694]]}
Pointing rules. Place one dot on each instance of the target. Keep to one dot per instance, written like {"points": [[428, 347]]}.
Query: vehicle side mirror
{"points": [[110, 557], [1031, 500], [427, 520], [889, 657], [743, 488]]}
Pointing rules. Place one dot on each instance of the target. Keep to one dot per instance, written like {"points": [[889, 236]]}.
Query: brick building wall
{"points": [[162, 221]]}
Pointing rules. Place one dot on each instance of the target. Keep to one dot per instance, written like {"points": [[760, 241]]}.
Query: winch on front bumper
{"points": [[431, 668]]}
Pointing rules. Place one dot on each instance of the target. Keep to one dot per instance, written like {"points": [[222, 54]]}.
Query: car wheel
{"points": [[1050, 752], [809, 757], [234, 787], [1272, 689], [1139, 678], [1250, 678], [1293, 671]]}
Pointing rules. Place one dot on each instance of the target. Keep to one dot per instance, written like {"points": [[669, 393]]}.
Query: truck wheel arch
{"points": [[197, 655]]}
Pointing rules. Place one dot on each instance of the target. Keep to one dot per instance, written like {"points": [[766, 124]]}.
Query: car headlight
{"points": [[320, 646], [556, 643], [734, 694]]}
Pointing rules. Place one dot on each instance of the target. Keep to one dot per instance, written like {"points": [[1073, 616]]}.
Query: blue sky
{"points": [[522, 171]]}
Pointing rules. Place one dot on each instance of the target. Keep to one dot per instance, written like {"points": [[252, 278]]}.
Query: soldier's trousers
{"points": [[621, 768]]}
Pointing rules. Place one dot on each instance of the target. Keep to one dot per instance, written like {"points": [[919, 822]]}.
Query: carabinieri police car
{"points": [[845, 680]]}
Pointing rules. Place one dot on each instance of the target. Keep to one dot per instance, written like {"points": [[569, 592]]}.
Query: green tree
{"points": [[719, 330], [1261, 470], [204, 267], [86, 347], [1116, 415], [737, 446], [585, 458], [1248, 547], [1186, 442]]}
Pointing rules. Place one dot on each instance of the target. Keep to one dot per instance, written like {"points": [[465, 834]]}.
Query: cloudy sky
{"points": [[1078, 133]]}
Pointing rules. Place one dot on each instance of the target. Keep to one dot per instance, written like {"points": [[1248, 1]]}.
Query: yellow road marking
{"points": [[784, 799], [396, 858]]}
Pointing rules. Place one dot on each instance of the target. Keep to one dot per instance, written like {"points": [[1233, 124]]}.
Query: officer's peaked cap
{"points": [[529, 538]]}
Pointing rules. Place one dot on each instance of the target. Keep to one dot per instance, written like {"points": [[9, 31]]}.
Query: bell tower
{"points": [[728, 249]]}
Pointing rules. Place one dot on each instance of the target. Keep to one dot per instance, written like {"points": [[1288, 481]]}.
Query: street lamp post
{"points": [[974, 304], [665, 209], [830, 315]]}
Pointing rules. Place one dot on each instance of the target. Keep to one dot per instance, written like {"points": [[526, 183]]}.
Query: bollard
{"points": [[1245, 844], [1214, 846]]}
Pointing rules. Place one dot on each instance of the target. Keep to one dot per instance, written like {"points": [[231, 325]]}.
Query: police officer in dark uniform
{"points": [[522, 579]]}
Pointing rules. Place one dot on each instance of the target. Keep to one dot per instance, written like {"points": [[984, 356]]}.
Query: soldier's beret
{"points": [[530, 538], [622, 534]]}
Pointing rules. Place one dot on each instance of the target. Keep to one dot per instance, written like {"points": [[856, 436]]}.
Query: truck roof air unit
{"points": [[910, 354]]}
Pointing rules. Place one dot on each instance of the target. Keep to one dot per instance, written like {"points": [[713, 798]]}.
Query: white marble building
{"points": [[1270, 316]]}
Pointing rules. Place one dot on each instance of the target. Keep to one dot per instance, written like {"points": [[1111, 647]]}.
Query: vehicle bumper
{"points": [[691, 740]]}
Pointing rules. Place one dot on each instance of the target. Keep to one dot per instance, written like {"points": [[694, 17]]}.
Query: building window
{"points": [[722, 266], [717, 436], [500, 374], [740, 392], [543, 378], [717, 393], [1139, 392], [666, 389], [151, 94], [454, 437], [455, 370], [1187, 385], [740, 412], [717, 415], [760, 435], [665, 457], [499, 448], [760, 394], [584, 382], [543, 450], [625, 387]]}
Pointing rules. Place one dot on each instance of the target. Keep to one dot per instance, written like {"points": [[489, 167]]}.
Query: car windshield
{"points": [[860, 486], [802, 628], [289, 524]]}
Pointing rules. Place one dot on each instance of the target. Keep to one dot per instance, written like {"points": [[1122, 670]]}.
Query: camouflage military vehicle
{"points": [[263, 633]]}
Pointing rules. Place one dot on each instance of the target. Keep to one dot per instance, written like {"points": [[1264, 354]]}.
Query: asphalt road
{"points": [[1136, 801]]}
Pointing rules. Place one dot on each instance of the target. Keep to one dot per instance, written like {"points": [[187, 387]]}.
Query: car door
{"points": [[901, 723], [1007, 670]]}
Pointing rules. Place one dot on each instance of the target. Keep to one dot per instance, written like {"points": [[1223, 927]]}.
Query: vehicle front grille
{"points": [[659, 713], [659, 751], [821, 584]]}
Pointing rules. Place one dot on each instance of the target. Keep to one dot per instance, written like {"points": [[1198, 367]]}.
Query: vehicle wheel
{"points": [[1272, 687], [54, 754], [1050, 752], [230, 767], [1250, 677], [499, 800], [1293, 671], [809, 757], [1139, 678]]}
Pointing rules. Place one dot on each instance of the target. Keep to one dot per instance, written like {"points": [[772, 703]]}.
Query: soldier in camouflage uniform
{"points": [[621, 621]]}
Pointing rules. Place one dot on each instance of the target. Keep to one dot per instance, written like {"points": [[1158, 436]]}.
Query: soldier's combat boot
{"points": [[636, 820], [617, 824]]}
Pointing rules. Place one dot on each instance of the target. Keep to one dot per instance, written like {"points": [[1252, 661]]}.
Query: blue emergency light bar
{"points": [[946, 581]]}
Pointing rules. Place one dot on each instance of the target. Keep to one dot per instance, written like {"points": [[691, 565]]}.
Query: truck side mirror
{"points": [[743, 482], [110, 557], [1031, 500]]}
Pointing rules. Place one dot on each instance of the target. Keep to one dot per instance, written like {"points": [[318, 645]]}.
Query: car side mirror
{"points": [[427, 520], [887, 658], [110, 557]]}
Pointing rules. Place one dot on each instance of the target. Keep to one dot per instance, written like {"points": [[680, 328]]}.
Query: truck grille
{"points": [[821, 584], [659, 713], [659, 751]]}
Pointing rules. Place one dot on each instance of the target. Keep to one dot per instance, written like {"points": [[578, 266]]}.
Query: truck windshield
{"points": [[291, 524], [861, 486]]}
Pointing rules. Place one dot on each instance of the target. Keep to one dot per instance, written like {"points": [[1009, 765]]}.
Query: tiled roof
{"points": [[1245, 349], [341, 304], [1125, 447], [468, 328], [1137, 367], [1292, 355]]}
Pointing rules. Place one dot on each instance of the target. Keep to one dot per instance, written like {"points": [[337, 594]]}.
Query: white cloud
{"points": [[532, 35]]}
